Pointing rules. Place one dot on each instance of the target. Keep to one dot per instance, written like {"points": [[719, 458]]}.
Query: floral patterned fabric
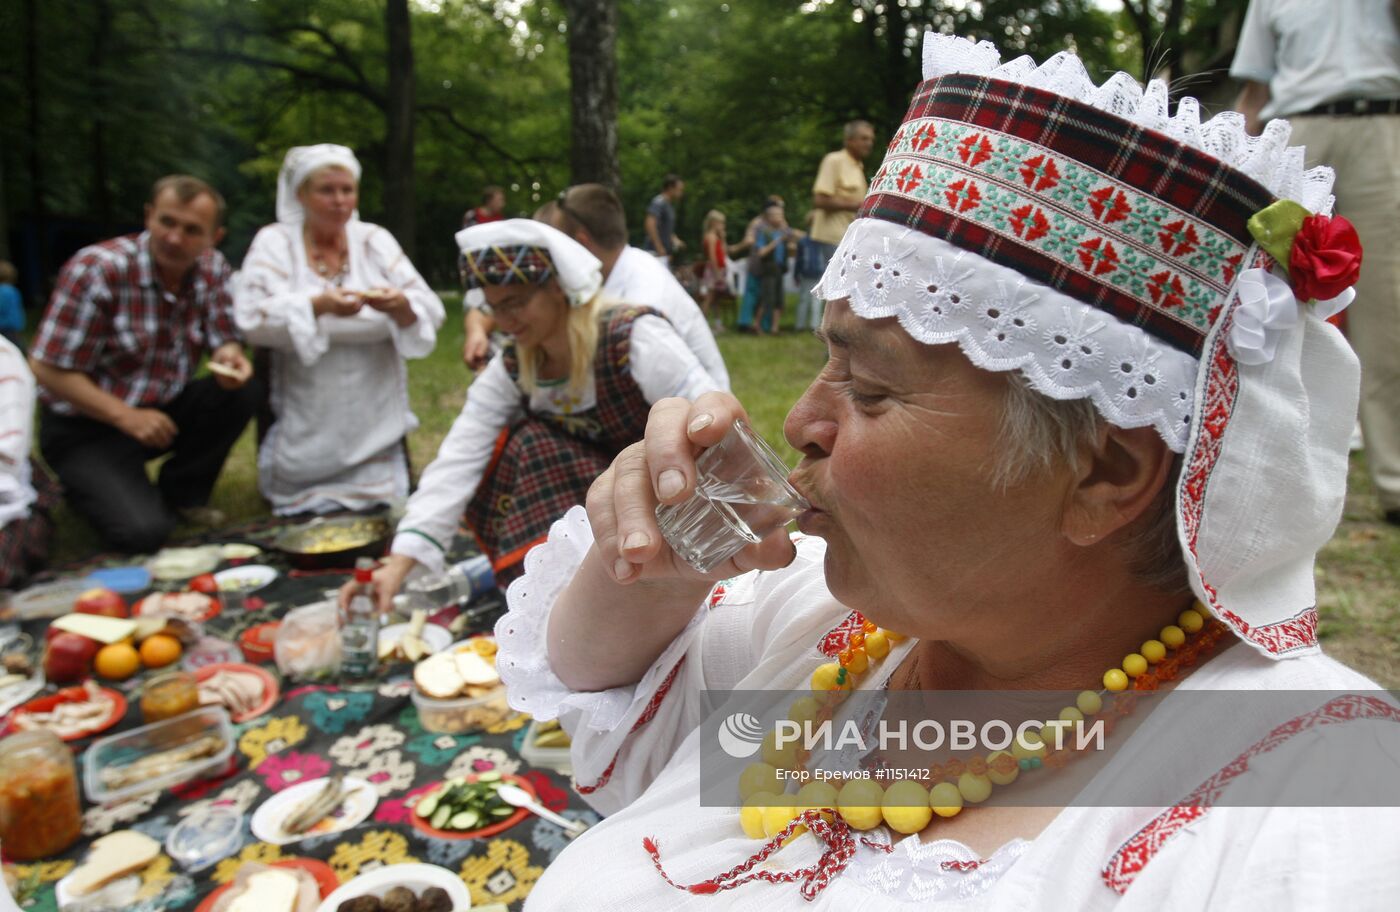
{"points": [[312, 732]]}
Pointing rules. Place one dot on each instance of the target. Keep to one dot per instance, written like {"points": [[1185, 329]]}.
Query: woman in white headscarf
{"points": [[341, 307], [550, 411]]}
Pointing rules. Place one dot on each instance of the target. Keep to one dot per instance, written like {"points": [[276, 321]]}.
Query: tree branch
{"points": [[310, 77], [448, 115]]}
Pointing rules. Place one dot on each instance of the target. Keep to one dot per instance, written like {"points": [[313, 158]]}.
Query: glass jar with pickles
{"points": [[39, 811], [167, 695]]}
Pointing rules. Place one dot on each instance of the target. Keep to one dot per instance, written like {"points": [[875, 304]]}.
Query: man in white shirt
{"points": [[1333, 69], [26, 492], [592, 214]]}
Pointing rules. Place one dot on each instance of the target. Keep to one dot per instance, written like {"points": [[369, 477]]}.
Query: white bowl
{"points": [[247, 578], [417, 877]]}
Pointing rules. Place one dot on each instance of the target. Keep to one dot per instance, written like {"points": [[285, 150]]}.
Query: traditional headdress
{"points": [[298, 165], [1168, 270], [524, 250]]}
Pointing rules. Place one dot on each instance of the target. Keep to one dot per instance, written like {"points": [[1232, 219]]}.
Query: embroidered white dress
{"points": [[339, 386], [662, 365], [636, 757], [16, 433]]}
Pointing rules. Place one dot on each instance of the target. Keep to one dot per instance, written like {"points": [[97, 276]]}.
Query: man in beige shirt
{"points": [[840, 186]]}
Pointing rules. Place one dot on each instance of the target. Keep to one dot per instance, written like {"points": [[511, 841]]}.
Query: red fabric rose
{"points": [[1325, 259]]}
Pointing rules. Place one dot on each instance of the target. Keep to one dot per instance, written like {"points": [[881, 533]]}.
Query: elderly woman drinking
{"points": [[341, 307], [1076, 431], [550, 411]]}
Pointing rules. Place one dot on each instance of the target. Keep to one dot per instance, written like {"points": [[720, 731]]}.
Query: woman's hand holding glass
{"points": [[661, 470]]}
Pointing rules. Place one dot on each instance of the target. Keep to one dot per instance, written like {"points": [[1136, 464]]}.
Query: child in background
{"points": [[11, 306], [771, 250]]}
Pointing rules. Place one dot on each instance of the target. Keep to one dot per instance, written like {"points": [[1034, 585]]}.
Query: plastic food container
{"points": [[169, 694], [204, 838], [554, 758], [463, 714], [48, 600], [178, 741]]}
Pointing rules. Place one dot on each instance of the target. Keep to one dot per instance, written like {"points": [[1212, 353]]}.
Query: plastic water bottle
{"points": [[457, 585], [359, 635]]}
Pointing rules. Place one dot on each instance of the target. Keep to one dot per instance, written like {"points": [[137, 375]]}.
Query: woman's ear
{"points": [[1120, 474]]}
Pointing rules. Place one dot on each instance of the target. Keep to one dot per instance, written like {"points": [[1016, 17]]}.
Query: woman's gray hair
{"points": [[1038, 431]]}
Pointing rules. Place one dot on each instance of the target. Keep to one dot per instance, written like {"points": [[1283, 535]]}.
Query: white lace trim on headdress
{"points": [[1266, 158], [1001, 321]]}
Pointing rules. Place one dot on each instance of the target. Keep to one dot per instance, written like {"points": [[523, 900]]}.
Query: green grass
{"points": [[1358, 572]]}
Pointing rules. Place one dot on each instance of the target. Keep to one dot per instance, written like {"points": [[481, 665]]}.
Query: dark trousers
{"points": [[103, 471], [770, 301]]}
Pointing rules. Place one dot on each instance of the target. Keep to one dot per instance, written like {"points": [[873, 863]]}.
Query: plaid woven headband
{"points": [[507, 266], [1118, 216]]}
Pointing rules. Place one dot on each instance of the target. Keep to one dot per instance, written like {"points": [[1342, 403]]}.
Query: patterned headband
{"points": [[507, 266], [1120, 217]]}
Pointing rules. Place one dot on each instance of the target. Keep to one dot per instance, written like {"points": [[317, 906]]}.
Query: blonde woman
{"points": [[570, 390], [341, 308]]}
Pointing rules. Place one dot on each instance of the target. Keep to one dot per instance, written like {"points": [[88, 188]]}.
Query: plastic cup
{"points": [[235, 602], [741, 496]]}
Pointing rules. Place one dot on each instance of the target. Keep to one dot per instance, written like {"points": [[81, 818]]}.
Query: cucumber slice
{"points": [[490, 776], [427, 804], [441, 817], [465, 820], [502, 812]]}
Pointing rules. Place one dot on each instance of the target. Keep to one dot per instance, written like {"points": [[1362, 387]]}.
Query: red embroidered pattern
{"points": [[835, 834], [1134, 854], [1216, 406], [839, 637], [647, 715]]}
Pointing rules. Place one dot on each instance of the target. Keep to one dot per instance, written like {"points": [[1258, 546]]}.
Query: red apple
{"points": [[204, 583], [101, 601], [68, 657]]}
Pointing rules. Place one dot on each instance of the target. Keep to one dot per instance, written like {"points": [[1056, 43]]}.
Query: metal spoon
{"points": [[518, 797]]}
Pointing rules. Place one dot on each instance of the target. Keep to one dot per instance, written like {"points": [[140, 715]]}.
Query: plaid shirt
{"points": [[111, 319]]}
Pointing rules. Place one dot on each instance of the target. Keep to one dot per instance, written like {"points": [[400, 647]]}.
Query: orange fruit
{"points": [[159, 650], [117, 662]]}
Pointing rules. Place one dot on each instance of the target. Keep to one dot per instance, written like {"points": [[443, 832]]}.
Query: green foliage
{"points": [[741, 98]]}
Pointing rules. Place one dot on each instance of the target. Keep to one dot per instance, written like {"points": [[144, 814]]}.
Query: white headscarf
{"points": [[299, 164], [579, 272]]}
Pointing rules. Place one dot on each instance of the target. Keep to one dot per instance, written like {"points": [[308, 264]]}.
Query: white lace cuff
{"points": [[522, 656]]}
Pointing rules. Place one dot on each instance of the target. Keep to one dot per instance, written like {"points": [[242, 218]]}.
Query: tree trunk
{"points": [[399, 204], [36, 171], [101, 192], [593, 91]]}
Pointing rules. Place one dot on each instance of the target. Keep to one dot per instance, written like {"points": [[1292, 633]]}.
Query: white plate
{"points": [[182, 563], [417, 877], [251, 577], [354, 809], [437, 638], [115, 895]]}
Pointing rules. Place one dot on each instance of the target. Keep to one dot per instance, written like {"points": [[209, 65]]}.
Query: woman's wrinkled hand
{"points": [[661, 470]]}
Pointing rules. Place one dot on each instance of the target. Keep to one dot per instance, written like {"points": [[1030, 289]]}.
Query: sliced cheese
{"points": [[97, 627], [268, 891], [114, 855]]}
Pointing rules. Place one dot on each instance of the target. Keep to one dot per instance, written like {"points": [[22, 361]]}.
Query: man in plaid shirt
{"points": [[115, 356]]}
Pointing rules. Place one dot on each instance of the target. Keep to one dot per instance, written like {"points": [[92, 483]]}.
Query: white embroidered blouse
{"points": [[636, 757], [339, 387]]}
